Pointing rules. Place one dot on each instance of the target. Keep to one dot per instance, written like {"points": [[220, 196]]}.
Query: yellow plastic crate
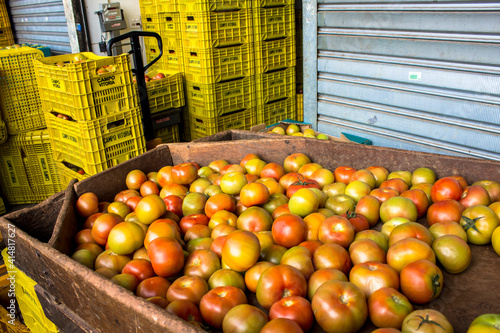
{"points": [[27, 168], [150, 22], [68, 172], [169, 134], [273, 23], [99, 144], [79, 91], [274, 55], [6, 324], [275, 86], [214, 65], [216, 29], [4, 16], [202, 126], [170, 29], [6, 37], [167, 93], [215, 100], [189, 6], [20, 105], [272, 3], [3, 132], [167, 6], [2, 206], [273, 112], [27, 299], [148, 7], [300, 107]]}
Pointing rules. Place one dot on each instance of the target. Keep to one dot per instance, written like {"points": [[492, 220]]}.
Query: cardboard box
{"points": [[344, 137], [73, 293]]}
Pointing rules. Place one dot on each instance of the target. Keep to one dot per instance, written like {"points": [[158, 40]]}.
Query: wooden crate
{"points": [[71, 291]]}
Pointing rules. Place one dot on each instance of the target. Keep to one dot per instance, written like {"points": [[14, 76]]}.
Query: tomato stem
{"points": [[435, 284], [426, 320], [471, 223]]}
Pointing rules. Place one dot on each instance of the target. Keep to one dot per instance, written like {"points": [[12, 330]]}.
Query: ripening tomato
{"points": [[295, 161], [281, 325], [485, 323], [272, 170], [479, 222], [125, 238], [254, 167], [323, 177], [108, 259], [216, 303], [103, 225], [202, 263], [421, 281], [410, 229], [134, 179], [220, 201], [288, 179], [395, 183], [369, 207], [241, 250], [365, 176], [379, 172], [185, 310], [336, 229], [184, 173], [304, 183], [150, 208], [332, 255], [378, 237], [226, 277], [244, 318], [474, 195], [272, 253], [387, 307], [420, 200], [363, 250], [127, 281], [444, 210], [87, 204], [187, 288], [453, 253], [358, 221], [339, 306], [166, 256], [300, 258], [493, 188], [140, 268], [408, 250], [190, 220], [320, 276], [254, 194], [384, 193], [423, 176], [371, 276], [253, 274], [426, 321], [398, 207], [278, 282], [446, 188]]}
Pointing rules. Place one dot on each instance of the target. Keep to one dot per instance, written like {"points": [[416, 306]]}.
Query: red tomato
{"points": [[332, 255], [188, 221], [365, 176], [254, 194], [164, 176], [420, 200], [295, 308], [410, 229], [166, 256], [421, 281], [446, 188], [371, 276], [336, 229], [289, 230], [162, 228], [304, 183], [185, 310], [395, 183], [149, 187], [153, 286], [290, 178], [343, 173], [140, 268], [197, 231], [493, 188], [202, 263], [474, 195], [272, 170], [445, 210], [311, 245], [217, 202], [378, 237], [215, 304], [187, 288], [241, 250], [278, 282], [103, 225], [384, 193], [358, 221], [134, 179], [339, 306], [281, 325], [185, 173], [387, 307]]}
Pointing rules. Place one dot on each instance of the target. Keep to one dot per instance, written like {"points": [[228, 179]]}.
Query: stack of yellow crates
{"points": [[91, 109], [275, 60], [27, 169], [6, 36]]}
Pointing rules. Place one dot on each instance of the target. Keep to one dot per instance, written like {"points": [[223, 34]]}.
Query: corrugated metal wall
{"points": [[41, 22], [423, 76]]}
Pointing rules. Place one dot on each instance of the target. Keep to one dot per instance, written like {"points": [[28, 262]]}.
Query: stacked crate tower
{"points": [[6, 36], [166, 96], [91, 110], [27, 170], [275, 60]]}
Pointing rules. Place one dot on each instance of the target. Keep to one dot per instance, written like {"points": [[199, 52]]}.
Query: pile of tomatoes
{"points": [[302, 243]]}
